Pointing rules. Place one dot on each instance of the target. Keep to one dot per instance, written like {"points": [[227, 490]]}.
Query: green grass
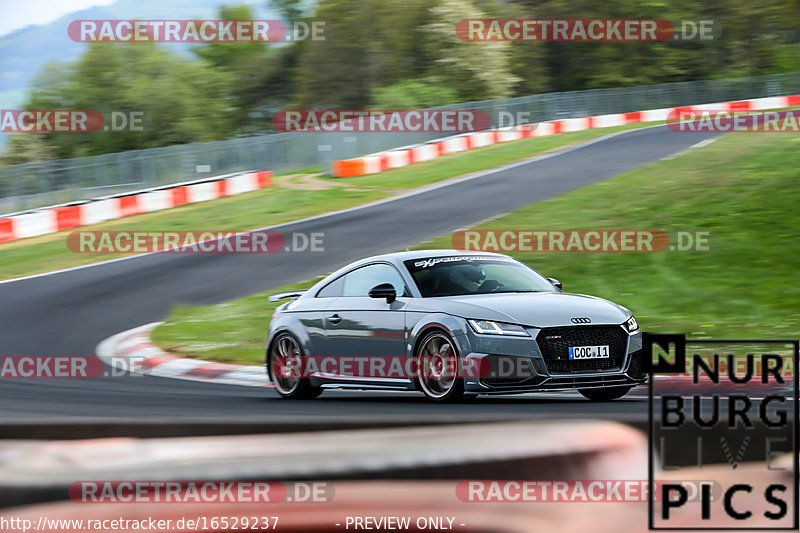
{"points": [[275, 205], [232, 332], [743, 188]]}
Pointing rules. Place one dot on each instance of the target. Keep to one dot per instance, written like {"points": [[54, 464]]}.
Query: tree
{"points": [[27, 148], [245, 64], [477, 70], [414, 94], [754, 40], [181, 100], [291, 10], [367, 44]]}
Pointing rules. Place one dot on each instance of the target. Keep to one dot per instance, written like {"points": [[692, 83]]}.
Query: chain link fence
{"points": [[32, 185]]}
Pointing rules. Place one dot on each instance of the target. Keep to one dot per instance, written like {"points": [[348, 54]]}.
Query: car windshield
{"points": [[463, 275]]}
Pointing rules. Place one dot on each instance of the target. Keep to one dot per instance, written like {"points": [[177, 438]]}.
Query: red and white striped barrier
{"points": [[59, 218], [373, 163]]}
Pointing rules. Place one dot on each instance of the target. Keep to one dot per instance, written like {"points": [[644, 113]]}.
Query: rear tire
{"points": [[605, 395], [439, 368], [286, 369]]}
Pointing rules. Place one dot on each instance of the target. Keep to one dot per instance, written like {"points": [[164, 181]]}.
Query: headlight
{"points": [[631, 325], [487, 327]]}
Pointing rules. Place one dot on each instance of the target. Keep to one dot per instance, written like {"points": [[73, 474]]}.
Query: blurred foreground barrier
{"points": [[419, 505], [36, 471]]}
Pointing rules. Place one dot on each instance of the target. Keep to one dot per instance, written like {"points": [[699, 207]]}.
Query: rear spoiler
{"points": [[288, 294]]}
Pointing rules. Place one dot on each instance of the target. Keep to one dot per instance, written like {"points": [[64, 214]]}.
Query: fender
{"points": [[453, 326], [291, 324]]}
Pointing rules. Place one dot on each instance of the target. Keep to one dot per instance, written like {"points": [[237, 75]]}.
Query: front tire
{"points": [[439, 374], [285, 362], [606, 394]]}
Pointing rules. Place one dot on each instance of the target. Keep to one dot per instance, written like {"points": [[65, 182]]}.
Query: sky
{"points": [[15, 14]]}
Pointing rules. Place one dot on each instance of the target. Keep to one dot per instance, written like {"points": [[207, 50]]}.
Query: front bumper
{"points": [[539, 362]]}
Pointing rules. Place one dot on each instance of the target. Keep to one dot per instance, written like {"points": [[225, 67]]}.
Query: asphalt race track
{"points": [[70, 312]]}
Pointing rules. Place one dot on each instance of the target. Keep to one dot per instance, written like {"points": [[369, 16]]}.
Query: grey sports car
{"points": [[452, 325]]}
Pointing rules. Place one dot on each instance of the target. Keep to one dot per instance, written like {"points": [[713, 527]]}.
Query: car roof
{"points": [[398, 257]]}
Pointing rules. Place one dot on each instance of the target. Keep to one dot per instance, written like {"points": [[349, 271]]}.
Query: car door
{"points": [[315, 317], [358, 327]]}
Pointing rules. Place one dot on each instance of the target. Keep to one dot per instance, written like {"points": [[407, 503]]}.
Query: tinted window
{"points": [[460, 275], [332, 289], [359, 282]]}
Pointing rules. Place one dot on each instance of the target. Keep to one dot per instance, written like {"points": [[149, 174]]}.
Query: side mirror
{"points": [[384, 290], [555, 282]]}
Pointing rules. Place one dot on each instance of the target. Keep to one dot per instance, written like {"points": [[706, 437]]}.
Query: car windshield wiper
{"points": [[514, 290]]}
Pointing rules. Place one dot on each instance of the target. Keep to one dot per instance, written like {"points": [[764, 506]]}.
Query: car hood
{"points": [[543, 309]]}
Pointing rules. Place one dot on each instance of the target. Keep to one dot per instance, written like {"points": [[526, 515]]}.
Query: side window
{"points": [[332, 289], [359, 282]]}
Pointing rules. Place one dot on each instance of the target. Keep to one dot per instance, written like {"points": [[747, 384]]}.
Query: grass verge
{"points": [[742, 188]]}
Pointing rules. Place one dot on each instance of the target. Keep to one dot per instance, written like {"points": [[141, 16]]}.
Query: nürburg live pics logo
{"points": [[724, 410]]}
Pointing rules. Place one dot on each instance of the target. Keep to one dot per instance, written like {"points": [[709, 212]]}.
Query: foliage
{"points": [[181, 100], [384, 54], [413, 94]]}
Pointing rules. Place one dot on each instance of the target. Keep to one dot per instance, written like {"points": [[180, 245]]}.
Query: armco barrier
{"points": [[64, 217], [373, 163]]}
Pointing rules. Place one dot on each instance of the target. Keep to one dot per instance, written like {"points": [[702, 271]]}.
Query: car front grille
{"points": [[636, 370], [554, 344]]}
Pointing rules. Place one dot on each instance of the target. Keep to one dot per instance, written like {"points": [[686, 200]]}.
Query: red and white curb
{"points": [[133, 352]]}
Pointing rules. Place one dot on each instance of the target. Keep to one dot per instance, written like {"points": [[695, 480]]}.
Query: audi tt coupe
{"points": [[452, 325]]}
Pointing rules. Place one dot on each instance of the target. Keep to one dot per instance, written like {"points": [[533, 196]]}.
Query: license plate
{"points": [[588, 352]]}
